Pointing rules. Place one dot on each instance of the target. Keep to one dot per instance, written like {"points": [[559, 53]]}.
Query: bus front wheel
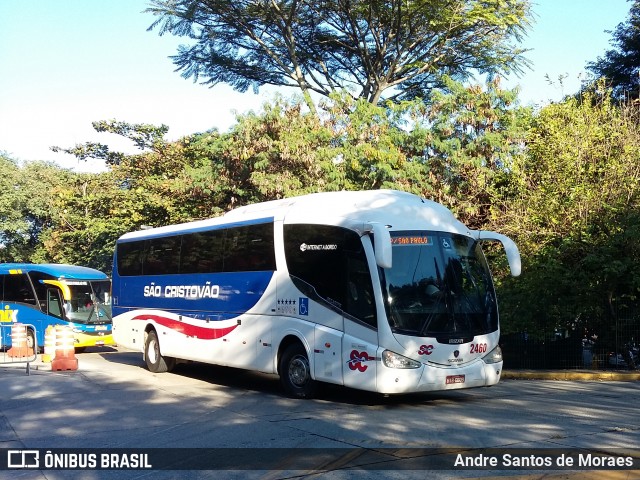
{"points": [[156, 363], [295, 372]]}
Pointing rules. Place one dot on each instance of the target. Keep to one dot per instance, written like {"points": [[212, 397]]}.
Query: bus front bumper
{"points": [[84, 339], [435, 378]]}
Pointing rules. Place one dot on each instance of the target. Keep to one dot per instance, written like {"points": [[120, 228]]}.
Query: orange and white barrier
{"points": [[49, 344], [65, 356], [19, 344]]}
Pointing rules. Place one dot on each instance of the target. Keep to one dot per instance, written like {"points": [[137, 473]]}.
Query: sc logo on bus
{"points": [[425, 350]]}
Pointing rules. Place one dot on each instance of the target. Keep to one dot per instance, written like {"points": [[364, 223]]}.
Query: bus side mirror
{"points": [[510, 248], [381, 244]]}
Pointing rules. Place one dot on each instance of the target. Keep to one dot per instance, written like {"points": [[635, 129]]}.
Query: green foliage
{"points": [[476, 145], [369, 47], [439, 150], [25, 206], [620, 66], [86, 221], [563, 182], [576, 215], [282, 152], [144, 136]]}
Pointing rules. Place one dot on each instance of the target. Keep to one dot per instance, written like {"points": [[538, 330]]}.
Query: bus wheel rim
{"points": [[153, 351], [299, 370]]}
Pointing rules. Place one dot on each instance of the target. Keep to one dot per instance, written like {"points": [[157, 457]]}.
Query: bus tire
{"points": [[156, 363], [295, 372]]}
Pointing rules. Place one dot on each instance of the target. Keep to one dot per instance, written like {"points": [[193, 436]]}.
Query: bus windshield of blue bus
{"points": [[89, 302], [439, 285]]}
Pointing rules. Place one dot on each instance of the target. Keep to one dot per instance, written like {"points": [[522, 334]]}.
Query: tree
{"points": [[87, 216], [25, 205], [167, 182], [574, 214], [398, 48], [621, 65], [458, 150], [143, 135], [476, 142]]}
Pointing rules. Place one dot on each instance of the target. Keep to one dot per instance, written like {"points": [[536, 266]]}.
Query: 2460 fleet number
{"points": [[478, 348]]}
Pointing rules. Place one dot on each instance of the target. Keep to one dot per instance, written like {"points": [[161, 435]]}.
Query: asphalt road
{"points": [[113, 402]]}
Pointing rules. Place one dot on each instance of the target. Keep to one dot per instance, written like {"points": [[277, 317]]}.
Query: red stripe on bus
{"points": [[187, 329]]}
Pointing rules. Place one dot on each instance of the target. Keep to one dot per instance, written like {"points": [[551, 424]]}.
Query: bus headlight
{"points": [[494, 356], [394, 360]]}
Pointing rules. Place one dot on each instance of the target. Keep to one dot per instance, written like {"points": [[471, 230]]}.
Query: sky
{"points": [[67, 63]]}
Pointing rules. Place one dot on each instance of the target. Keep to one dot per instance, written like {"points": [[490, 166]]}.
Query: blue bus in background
{"points": [[54, 294]]}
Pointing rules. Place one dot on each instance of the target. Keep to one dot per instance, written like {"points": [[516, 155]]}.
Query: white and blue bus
{"points": [[375, 290], [43, 295]]}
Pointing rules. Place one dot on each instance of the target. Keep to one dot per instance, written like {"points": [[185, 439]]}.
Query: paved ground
{"points": [[112, 401]]}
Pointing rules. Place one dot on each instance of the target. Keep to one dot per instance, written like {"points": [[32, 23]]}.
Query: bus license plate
{"points": [[451, 379], [101, 327]]}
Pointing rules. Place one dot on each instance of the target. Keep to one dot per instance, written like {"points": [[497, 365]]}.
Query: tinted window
{"points": [[130, 255], [249, 248], [162, 256], [333, 266], [37, 278], [202, 252], [246, 248], [17, 288]]}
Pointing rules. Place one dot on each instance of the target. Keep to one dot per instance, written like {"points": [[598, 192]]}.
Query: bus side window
{"points": [[249, 248], [162, 256], [17, 288], [130, 255], [202, 252], [332, 260], [54, 303]]}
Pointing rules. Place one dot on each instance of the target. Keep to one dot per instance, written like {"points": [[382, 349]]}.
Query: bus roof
{"points": [[398, 210], [57, 270]]}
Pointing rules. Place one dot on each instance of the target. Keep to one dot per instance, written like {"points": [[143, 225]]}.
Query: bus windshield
{"points": [[439, 286], [90, 301]]}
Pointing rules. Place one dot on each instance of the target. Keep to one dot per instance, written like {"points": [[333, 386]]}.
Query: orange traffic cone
{"points": [[65, 358], [49, 344], [19, 345]]}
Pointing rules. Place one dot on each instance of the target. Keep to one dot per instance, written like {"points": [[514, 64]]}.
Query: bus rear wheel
{"points": [[156, 363], [295, 372]]}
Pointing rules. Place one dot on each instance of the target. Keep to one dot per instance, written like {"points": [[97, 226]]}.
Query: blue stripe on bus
{"points": [[224, 295]]}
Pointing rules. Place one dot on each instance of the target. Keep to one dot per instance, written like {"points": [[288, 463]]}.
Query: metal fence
{"points": [[25, 351], [612, 344]]}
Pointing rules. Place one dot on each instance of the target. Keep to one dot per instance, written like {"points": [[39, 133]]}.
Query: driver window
{"points": [[54, 303]]}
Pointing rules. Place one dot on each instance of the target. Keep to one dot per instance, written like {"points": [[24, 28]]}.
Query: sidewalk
{"points": [[593, 375]]}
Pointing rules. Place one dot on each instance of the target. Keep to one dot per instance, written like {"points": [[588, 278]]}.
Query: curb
{"points": [[570, 375]]}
